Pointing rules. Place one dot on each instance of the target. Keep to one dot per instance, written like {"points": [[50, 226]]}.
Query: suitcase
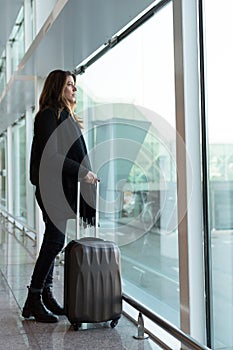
{"points": [[92, 282]]}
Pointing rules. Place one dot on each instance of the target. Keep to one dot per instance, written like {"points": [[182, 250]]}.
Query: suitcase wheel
{"points": [[113, 323], [76, 326]]}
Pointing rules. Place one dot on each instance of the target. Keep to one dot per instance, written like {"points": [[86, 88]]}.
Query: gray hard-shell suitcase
{"points": [[92, 278], [92, 282]]}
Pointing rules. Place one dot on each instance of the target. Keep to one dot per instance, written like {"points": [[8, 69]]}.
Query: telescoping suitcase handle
{"points": [[96, 228]]}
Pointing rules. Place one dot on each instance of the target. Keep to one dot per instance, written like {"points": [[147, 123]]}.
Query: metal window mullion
{"points": [[190, 231], [181, 170], [205, 180]]}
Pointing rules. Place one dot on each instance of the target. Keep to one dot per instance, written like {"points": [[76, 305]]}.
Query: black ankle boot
{"points": [[50, 302], [35, 307]]}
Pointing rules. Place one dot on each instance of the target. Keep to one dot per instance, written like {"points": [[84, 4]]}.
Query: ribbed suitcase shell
{"points": [[92, 281]]}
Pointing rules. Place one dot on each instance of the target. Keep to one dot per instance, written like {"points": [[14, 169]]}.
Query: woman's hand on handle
{"points": [[91, 178]]}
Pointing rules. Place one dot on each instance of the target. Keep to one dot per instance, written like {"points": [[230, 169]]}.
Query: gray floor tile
{"points": [[7, 302], [10, 323], [19, 342]]}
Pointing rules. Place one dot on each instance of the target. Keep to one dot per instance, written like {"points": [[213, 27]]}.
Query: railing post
{"points": [[141, 334]]}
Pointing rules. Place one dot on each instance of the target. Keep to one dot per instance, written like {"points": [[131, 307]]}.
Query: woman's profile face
{"points": [[70, 90]]}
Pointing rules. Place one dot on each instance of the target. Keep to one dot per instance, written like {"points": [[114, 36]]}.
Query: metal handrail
{"points": [[164, 324], [25, 228]]}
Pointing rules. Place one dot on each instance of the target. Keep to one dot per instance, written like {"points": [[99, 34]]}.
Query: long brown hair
{"points": [[52, 95]]}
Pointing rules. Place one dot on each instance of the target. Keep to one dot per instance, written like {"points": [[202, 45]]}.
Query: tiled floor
{"points": [[16, 264]]}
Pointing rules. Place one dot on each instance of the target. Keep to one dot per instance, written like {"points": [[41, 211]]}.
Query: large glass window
{"points": [[17, 40], [19, 170], [219, 57], [30, 189], [3, 166], [128, 98], [32, 18], [3, 71]]}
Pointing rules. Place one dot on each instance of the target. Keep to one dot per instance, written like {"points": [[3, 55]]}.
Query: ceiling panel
{"points": [[80, 29]]}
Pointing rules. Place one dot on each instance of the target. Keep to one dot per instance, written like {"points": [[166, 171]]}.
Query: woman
{"points": [[58, 161]]}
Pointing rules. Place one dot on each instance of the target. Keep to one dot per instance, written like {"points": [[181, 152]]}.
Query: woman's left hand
{"points": [[91, 178]]}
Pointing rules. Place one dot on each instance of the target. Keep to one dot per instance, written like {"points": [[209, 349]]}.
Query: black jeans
{"points": [[53, 242]]}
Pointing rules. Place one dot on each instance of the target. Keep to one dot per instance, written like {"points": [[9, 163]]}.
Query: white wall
{"points": [[43, 9]]}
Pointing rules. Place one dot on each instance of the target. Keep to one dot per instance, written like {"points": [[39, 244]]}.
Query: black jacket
{"points": [[58, 160]]}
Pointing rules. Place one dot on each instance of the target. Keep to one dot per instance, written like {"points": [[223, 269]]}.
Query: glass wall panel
{"points": [[3, 167], [32, 18], [219, 58], [17, 41], [19, 170], [30, 189], [128, 99], [2, 71]]}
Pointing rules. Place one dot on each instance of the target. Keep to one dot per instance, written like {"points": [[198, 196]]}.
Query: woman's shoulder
{"points": [[50, 112], [45, 118], [46, 113], [64, 113]]}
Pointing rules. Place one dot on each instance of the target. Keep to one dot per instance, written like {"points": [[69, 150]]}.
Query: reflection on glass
{"points": [[128, 98], [19, 170], [219, 57]]}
